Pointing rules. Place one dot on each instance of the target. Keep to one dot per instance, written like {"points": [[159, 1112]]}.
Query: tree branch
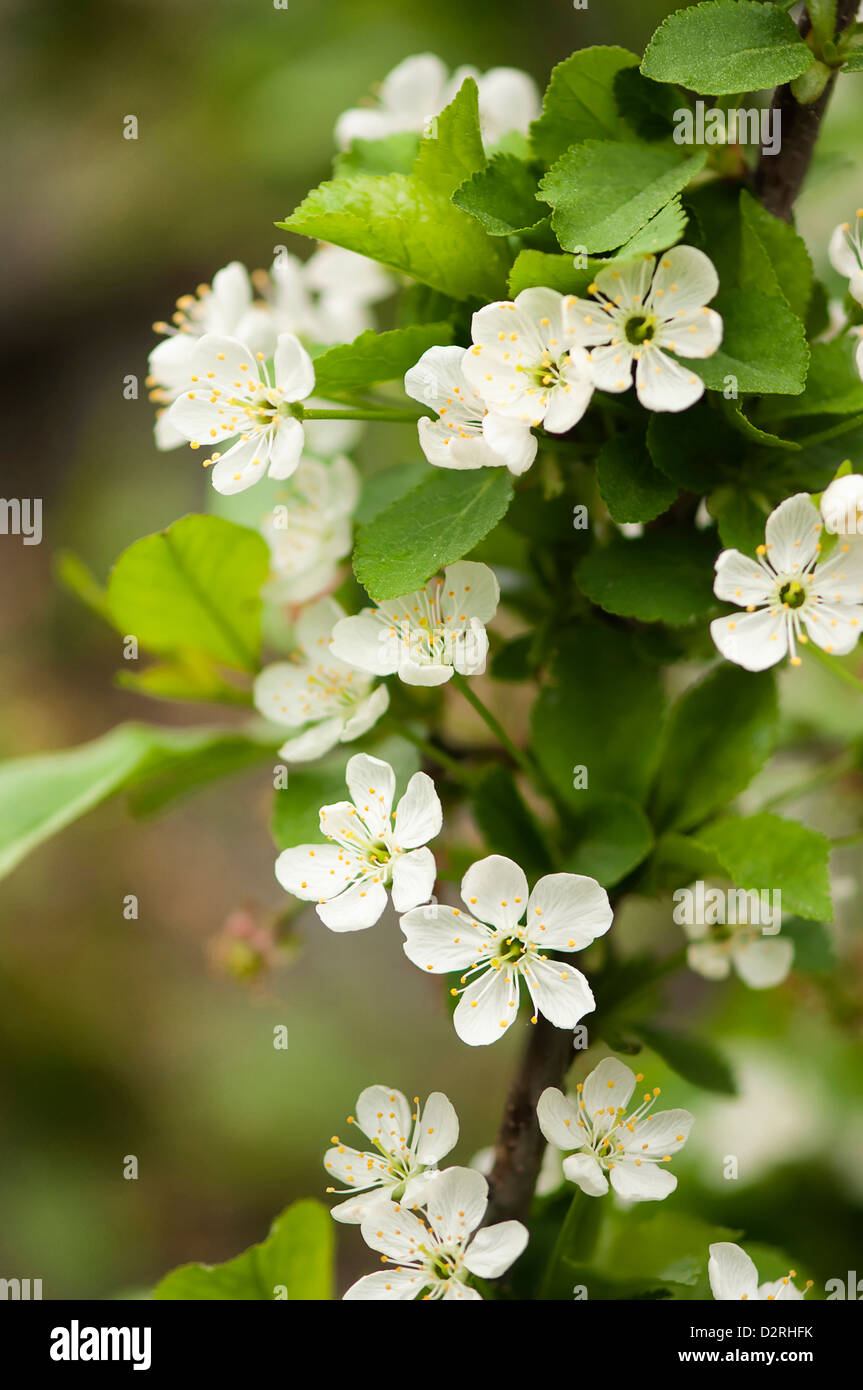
{"points": [[778, 178]]}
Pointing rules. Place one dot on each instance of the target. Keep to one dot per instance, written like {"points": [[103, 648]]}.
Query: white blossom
{"points": [[464, 435], [231, 395], [309, 532], [842, 505], [326, 299], [371, 848], [733, 1276], [495, 952], [790, 595], [762, 961], [427, 635], [846, 254], [408, 1144], [434, 1256], [605, 1144], [315, 688], [420, 87], [642, 310], [527, 364]]}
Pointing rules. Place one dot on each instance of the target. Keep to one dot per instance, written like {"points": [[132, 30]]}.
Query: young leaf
{"points": [[662, 231], [297, 1257], [403, 223], [773, 258], [630, 486], [604, 191], [763, 350], [727, 46], [648, 107], [433, 525], [832, 386], [611, 839], [719, 735], [580, 102], [453, 152], [601, 713], [375, 357], [695, 1059], [662, 577], [502, 197], [740, 516], [532, 268], [42, 794], [193, 588], [691, 447], [394, 154], [764, 852]]}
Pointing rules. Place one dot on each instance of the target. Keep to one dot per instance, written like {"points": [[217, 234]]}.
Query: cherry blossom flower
{"points": [[846, 254], [733, 1276], [643, 310], [326, 299], [371, 848], [408, 1145], [434, 1257], [231, 396], [227, 308], [310, 531], [464, 435], [315, 688], [496, 952], [420, 87], [427, 635], [842, 505], [527, 363], [600, 1138], [790, 595], [762, 961]]}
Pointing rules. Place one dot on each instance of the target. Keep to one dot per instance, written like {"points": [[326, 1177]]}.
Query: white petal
{"points": [[607, 1088], [364, 642], [841, 251], [779, 1290], [658, 1134], [413, 878], [488, 1007], [438, 1129], [731, 1273], [386, 1114], [312, 872], [763, 962], [627, 284], [566, 912], [315, 626], [461, 1293], [470, 589], [585, 1172], [436, 377], [355, 909], [835, 627], [394, 1231], [593, 325], [243, 465], [510, 441], [229, 299], [793, 533], [752, 640], [441, 939], [663, 384], [314, 742], [741, 580], [559, 1119], [457, 1203], [419, 815], [567, 403], [354, 1210], [357, 1169], [559, 992], [612, 367], [372, 785], [685, 279], [393, 1284], [495, 1248], [508, 100], [292, 365], [693, 333], [286, 448], [709, 959], [495, 889], [416, 87], [650, 1182], [842, 503], [366, 714]]}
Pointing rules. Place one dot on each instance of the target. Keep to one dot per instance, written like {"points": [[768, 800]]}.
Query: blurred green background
{"points": [[118, 1038]]}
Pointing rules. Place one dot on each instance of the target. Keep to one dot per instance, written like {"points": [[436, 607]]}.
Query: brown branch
{"points": [[779, 177]]}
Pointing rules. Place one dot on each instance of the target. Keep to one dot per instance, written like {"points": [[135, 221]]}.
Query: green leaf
{"points": [[763, 347], [814, 951], [192, 678], [832, 386], [741, 518], [822, 13], [42, 794], [690, 447], [611, 839], [719, 735], [506, 823], [727, 46], [695, 1059], [403, 223], [394, 154], [375, 357], [384, 487], [602, 710], [579, 103], [741, 424], [773, 258], [630, 486], [454, 150], [297, 1257], [193, 588], [75, 576], [433, 525], [296, 807], [532, 268], [663, 576], [603, 192], [853, 63], [768, 852], [648, 107], [662, 231], [502, 197]]}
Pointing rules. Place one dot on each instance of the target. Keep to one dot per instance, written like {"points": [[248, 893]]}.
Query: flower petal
{"points": [[397, 1284], [741, 580], [441, 939], [685, 279], [419, 815], [647, 1182], [363, 641], [731, 1273], [752, 640], [469, 590], [372, 785], [413, 876], [312, 872], [559, 992], [566, 912], [386, 1114], [437, 1128], [456, 1204], [663, 384], [495, 1249], [763, 961], [293, 369], [793, 533], [488, 1007], [585, 1172], [286, 448], [495, 890], [607, 1089], [355, 909], [559, 1119]]}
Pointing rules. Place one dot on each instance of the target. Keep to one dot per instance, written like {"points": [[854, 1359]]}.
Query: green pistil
{"points": [[511, 950], [640, 329], [792, 594]]}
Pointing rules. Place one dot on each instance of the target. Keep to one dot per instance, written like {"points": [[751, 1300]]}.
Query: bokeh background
{"points": [[118, 1037]]}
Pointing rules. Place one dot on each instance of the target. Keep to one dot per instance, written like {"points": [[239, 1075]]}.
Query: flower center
{"points": [[549, 374], [511, 950], [640, 329], [792, 594]]}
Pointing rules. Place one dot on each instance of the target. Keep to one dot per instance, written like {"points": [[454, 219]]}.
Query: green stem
{"points": [[399, 417], [833, 664], [576, 1241], [432, 752], [844, 840], [827, 774], [528, 767]]}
